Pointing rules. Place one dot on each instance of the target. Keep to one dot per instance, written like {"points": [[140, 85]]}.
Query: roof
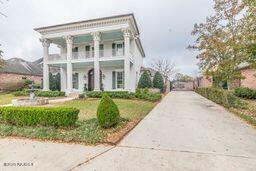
{"points": [[20, 66], [95, 20], [92, 20]]}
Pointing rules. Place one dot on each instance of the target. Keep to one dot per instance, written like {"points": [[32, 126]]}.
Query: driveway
{"points": [[183, 132]]}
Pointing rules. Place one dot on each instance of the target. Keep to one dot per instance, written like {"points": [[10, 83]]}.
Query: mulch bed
{"points": [[116, 137]]}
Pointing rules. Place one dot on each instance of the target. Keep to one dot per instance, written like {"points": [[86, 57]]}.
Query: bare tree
{"points": [[1, 13], [164, 66]]}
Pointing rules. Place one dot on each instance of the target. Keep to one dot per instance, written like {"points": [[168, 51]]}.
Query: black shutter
{"points": [[101, 50], [113, 49], [123, 79], [114, 79]]}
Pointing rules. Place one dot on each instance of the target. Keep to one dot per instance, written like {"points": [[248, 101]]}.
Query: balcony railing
{"points": [[88, 55]]}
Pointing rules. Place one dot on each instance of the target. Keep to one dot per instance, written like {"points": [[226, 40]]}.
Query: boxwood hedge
{"points": [[39, 116], [222, 97]]}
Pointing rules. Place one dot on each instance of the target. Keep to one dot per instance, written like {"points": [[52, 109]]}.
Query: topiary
{"points": [[107, 112], [158, 81], [145, 80]]}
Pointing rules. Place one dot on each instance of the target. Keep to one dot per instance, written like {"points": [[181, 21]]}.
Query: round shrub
{"points": [[145, 80], [107, 112], [158, 81]]}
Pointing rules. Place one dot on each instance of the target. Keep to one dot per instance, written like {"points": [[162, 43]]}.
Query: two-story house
{"points": [[98, 54]]}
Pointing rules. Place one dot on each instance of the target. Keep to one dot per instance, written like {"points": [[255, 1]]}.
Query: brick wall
{"points": [[9, 77], [250, 79]]}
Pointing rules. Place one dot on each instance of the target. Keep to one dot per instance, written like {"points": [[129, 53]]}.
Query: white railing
{"points": [[88, 55], [102, 54]]}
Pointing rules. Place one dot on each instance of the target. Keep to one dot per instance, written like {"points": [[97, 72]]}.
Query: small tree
{"points": [[158, 81], [54, 82], [107, 112], [145, 80]]}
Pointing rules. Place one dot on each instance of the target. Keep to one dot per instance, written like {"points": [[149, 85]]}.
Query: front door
{"points": [[91, 80]]}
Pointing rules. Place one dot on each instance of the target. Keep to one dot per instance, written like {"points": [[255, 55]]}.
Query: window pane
{"points": [[119, 80]]}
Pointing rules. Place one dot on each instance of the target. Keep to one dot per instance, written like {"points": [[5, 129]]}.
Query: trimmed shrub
{"points": [[146, 95], [25, 92], [245, 92], [50, 93], [112, 94], [158, 81], [222, 97], [39, 116], [145, 80], [107, 112]]}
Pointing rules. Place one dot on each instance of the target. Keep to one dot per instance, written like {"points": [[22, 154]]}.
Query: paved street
{"points": [[183, 132]]}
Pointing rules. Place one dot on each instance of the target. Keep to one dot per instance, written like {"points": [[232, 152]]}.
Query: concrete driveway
{"points": [[183, 132]]}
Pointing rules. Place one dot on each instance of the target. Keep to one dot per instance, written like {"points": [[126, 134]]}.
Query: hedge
{"points": [[222, 97], [245, 92], [146, 95], [112, 94], [140, 94], [107, 112], [39, 93], [39, 116]]}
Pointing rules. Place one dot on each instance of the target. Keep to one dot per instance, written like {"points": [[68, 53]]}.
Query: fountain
{"points": [[32, 100]]}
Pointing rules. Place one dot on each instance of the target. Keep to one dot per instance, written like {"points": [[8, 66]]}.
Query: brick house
{"points": [[16, 70], [249, 75]]}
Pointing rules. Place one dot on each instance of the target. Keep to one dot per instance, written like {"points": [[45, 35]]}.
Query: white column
{"points": [[126, 34], [46, 45], [96, 39], [63, 79], [69, 42]]}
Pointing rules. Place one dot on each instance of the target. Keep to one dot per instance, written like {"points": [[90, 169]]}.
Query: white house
{"points": [[98, 54]]}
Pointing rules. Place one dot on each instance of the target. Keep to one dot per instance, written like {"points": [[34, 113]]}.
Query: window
{"points": [[87, 51], [117, 49], [75, 80], [119, 80], [101, 50], [75, 52]]}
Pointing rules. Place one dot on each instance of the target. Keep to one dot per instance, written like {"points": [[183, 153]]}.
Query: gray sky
{"points": [[165, 25]]}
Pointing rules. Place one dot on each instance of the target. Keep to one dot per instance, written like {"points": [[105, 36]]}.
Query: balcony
{"points": [[107, 53]]}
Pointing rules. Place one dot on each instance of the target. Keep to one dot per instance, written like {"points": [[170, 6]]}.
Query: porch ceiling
{"points": [[114, 35]]}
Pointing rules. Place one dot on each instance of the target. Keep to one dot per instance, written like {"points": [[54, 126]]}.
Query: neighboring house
{"points": [[98, 54], [16, 69], [182, 85], [203, 81], [249, 75]]}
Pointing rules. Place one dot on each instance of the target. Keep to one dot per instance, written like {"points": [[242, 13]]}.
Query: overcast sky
{"points": [[165, 25]]}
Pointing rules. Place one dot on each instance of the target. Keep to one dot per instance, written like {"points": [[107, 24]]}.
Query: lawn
{"points": [[87, 129], [5, 98], [248, 114], [129, 109]]}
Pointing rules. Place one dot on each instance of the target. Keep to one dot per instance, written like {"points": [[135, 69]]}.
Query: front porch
{"points": [[112, 77]]}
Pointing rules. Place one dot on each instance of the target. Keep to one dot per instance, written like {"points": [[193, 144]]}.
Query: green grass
{"points": [[5, 98], [87, 129], [88, 132], [129, 109], [248, 114]]}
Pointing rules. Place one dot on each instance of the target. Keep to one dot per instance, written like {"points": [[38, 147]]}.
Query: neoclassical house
{"points": [[98, 54]]}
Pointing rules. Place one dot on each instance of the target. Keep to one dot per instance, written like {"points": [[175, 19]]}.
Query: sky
{"points": [[165, 25]]}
